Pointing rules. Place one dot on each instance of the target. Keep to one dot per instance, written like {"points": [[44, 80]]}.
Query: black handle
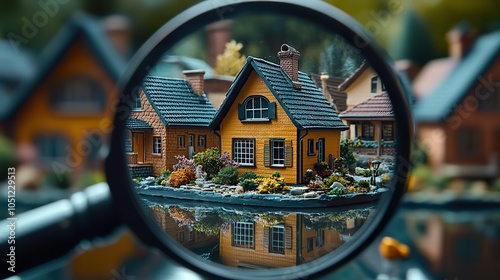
{"points": [[51, 231]]}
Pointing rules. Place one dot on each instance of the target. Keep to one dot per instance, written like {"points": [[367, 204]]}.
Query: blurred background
{"points": [[448, 50]]}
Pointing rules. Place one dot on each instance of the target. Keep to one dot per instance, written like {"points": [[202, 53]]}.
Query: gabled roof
{"points": [[440, 103], [133, 123], [349, 80], [307, 107], [377, 107], [92, 32], [339, 96], [176, 103]]}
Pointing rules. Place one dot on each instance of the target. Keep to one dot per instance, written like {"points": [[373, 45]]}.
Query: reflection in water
{"points": [[257, 237]]}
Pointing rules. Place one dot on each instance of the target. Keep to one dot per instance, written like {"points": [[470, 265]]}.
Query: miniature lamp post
{"points": [[375, 166]]}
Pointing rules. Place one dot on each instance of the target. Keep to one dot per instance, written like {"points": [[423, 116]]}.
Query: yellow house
{"points": [[364, 83], [275, 119], [63, 115]]}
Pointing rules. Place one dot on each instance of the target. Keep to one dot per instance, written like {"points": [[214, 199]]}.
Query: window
{"points": [[181, 141], [181, 236], [156, 145], [243, 234], [278, 152], [257, 108], [367, 131], [128, 141], [388, 131], [321, 149], [310, 244], [374, 84], [383, 86], [310, 147], [79, 94], [469, 142], [202, 141], [320, 238], [244, 151], [51, 147], [190, 234], [191, 140], [277, 241], [136, 102]]}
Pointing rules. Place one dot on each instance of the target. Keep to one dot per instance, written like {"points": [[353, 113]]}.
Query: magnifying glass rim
{"points": [[206, 12]]}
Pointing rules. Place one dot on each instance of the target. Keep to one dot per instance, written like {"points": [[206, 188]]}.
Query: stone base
{"points": [[140, 170]]}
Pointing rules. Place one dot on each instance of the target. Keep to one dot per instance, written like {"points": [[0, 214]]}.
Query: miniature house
{"points": [[458, 122], [65, 112], [169, 117], [275, 119], [372, 120]]}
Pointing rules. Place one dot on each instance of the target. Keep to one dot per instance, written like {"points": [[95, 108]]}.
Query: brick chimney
{"points": [[218, 34], [196, 80], [460, 39], [117, 28], [289, 62], [324, 87]]}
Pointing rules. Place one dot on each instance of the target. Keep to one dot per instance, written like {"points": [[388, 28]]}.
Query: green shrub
{"points": [[365, 172], [210, 160], [320, 166], [363, 184], [248, 175], [335, 178], [336, 191], [276, 174], [249, 184], [227, 176], [385, 179], [274, 184], [346, 154]]}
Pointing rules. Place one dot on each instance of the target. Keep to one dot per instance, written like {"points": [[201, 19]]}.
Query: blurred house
{"points": [[329, 85], [458, 121], [275, 119], [62, 116], [169, 117], [373, 122]]}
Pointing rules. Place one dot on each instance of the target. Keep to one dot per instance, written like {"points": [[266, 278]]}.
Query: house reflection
{"points": [[255, 239]]}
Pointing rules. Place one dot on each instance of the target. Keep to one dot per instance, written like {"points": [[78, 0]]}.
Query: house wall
{"points": [[360, 89], [433, 139], [38, 117], [166, 159], [332, 241], [332, 140], [259, 255], [282, 127]]}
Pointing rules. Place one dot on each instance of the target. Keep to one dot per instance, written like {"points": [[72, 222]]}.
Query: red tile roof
{"points": [[377, 107]]}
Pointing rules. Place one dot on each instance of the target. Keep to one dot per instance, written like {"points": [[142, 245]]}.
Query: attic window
{"points": [[256, 108], [136, 102], [79, 94]]}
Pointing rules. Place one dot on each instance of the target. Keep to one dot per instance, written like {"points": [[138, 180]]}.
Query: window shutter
{"points": [[272, 110], [289, 154], [267, 155], [288, 237], [266, 237], [241, 112]]}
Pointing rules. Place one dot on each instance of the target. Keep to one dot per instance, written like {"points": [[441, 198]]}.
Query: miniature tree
{"points": [[231, 60]]}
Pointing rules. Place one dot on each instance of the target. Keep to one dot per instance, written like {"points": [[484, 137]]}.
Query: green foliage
{"points": [[7, 154], [365, 172], [272, 184], [276, 174], [249, 184], [346, 154], [363, 184], [248, 175], [227, 176], [336, 191], [210, 160], [335, 178], [320, 166], [162, 180], [231, 60], [316, 184], [385, 179]]}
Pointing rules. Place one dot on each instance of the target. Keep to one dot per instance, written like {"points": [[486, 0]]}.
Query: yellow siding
{"points": [[360, 89], [332, 241], [332, 140], [37, 116], [281, 127], [259, 255]]}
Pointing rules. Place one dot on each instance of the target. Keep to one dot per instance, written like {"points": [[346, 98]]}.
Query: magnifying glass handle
{"points": [[51, 231]]}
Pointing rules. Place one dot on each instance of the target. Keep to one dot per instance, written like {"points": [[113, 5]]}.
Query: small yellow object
{"points": [[392, 249]]}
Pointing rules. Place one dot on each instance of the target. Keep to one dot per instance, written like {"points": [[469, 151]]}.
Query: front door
{"points": [[138, 145]]}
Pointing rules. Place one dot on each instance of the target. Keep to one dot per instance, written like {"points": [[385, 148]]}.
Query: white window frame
{"points": [[244, 151], [157, 145], [243, 235], [202, 141], [277, 239], [253, 108], [277, 152], [136, 102], [181, 141]]}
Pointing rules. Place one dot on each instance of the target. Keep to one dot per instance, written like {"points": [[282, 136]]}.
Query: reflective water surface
{"points": [[256, 237]]}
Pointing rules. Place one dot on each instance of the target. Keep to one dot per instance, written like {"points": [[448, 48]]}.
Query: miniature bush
{"points": [[385, 179], [227, 176], [364, 172], [276, 174], [162, 179], [248, 175], [181, 177], [273, 184], [249, 184], [320, 166], [346, 154], [210, 160], [227, 161], [317, 183], [336, 178], [365, 184], [336, 191], [183, 161]]}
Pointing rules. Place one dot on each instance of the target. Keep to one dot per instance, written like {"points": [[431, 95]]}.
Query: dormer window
{"points": [[136, 102], [256, 108]]}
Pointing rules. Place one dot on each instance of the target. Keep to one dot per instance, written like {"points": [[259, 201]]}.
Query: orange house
{"points": [[274, 118], [64, 114], [169, 117]]}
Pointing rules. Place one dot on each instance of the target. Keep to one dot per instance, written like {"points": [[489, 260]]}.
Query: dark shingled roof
{"points": [[176, 103], [133, 123], [349, 80], [307, 107], [440, 103], [339, 96], [377, 107]]}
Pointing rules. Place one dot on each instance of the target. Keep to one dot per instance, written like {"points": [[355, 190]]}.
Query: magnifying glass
{"points": [[312, 89], [277, 119]]}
